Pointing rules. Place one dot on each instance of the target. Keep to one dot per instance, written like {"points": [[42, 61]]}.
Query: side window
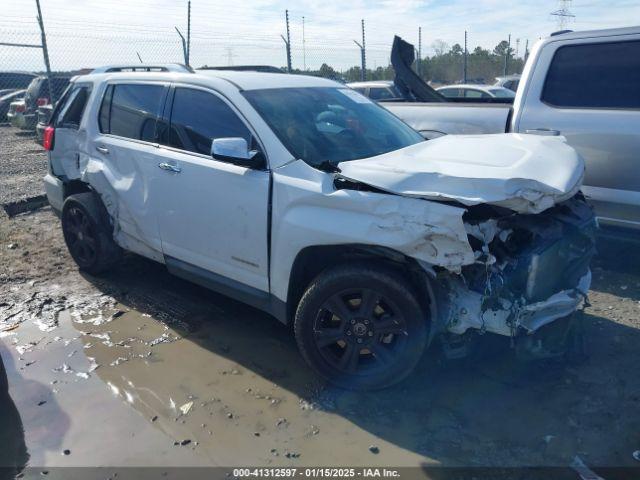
{"points": [[132, 110], [197, 117], [71, 112], [380, 93], [450, 92], [605, 75], [105, 110], [470, 93]]}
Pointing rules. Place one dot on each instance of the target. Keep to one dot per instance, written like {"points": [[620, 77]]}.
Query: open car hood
{"points": [[412, 87], [526, 173]]}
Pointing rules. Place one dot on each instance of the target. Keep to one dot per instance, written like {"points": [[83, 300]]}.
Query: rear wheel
{"points": [[361, 327], [88, 233]]}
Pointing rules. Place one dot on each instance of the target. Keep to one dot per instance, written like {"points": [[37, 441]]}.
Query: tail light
{"points": [[48, 137], [42, 101], [20, 108]]}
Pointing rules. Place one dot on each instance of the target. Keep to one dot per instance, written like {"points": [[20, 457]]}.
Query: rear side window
{"points": [[70, 113], [197, 117], [470, 93], [512, 85], [39, 89], [450, 92], [605, 75], [131, 111]]}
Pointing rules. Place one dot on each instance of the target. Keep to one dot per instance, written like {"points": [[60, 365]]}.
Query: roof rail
{"points": [[245, 68], [144, 67], [560, 32]]}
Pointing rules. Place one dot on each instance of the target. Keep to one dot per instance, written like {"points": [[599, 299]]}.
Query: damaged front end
{"points": [[529, 270]]}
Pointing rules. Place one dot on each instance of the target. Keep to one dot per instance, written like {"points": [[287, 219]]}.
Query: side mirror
{"points": [[236, 150]]}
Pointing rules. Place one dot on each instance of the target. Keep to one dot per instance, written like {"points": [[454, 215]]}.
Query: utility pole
{"points": [[563, 14], [45, 52], [419, 51], [188, 32], [526, 51], [363, 57], [464, 62], [507, 52], [287, 41], [304, 52]]}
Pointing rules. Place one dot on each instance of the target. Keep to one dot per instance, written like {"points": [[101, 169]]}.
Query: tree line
{"points": [[446, 66]]}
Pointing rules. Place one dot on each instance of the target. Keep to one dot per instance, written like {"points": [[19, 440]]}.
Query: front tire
{"points": [[361, 327], [88, 233]]}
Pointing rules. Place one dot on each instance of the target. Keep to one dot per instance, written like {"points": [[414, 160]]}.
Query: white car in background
{"points": [[508, 81], [471, 91], [377, 90]]}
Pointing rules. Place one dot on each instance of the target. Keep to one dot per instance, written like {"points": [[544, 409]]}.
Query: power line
{"points": [[563, 14]]}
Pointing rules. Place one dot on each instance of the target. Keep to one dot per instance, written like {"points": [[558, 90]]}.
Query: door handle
{"points": [[104, 150], [543, 131], [169, 167]]}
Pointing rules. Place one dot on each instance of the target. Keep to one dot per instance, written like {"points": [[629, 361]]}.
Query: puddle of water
{"points": [[61, 405], [242, 412]]}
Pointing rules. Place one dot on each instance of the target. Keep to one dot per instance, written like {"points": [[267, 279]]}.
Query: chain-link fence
{"points": [[330, 47]]}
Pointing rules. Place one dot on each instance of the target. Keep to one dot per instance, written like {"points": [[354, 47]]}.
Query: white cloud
{"points": [[89, 32]]}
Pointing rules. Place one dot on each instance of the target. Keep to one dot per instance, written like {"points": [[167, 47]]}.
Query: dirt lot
{"points": [[23, 164], [141, 368]]}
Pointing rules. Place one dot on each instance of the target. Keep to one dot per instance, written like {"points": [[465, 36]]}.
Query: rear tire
{"points": [[88, 233], [361, 327]]}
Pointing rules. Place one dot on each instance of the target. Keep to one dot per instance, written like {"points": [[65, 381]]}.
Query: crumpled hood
{"points": [[526, 173]]}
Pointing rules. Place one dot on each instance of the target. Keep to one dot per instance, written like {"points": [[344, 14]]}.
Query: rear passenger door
{"points": [[127, 153], [590, 93], [213, 215]]}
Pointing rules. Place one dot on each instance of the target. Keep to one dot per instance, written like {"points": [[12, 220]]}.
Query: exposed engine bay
{"points": [[530, 269]]}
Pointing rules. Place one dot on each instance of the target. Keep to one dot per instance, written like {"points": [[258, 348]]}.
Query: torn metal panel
{"points": [[467, 311], [530, 270], [125, 195], [525, 173]]}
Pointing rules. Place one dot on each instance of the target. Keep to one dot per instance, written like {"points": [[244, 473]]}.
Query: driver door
{"points": [[213, 214]]}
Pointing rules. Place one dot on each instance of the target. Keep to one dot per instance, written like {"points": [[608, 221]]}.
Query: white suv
{"points": [[305, 199]]}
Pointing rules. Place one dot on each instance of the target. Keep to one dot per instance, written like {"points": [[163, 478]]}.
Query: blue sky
{"points": [[90, 32]]}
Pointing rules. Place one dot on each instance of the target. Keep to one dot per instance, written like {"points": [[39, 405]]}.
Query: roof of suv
{"points": [[371, 84], [260, 80], [569, 34], [243, 80]]}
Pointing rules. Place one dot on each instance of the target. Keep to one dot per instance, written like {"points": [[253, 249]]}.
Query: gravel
{"points": [[23, 163]]}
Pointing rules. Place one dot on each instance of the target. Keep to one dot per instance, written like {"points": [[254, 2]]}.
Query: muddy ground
{"points": [[23, 164], [141, 368]]}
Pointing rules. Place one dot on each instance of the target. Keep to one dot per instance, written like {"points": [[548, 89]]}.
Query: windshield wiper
{"points": [[327, 166]]}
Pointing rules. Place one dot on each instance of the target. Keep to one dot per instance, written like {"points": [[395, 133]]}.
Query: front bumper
{"points": [[466, 310], [530, 270]]}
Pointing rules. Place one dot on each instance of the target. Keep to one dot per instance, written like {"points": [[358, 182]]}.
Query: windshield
{"points": [[502, 93], [328, 124]]}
